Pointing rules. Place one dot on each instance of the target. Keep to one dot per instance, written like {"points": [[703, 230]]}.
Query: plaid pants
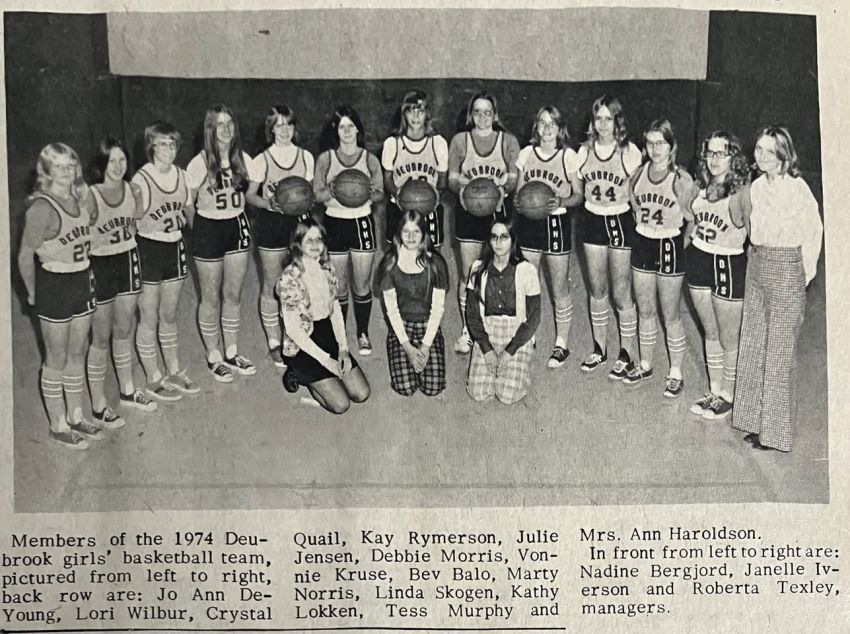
{"points": [[774, 307], [512, 384], [403, 378]]}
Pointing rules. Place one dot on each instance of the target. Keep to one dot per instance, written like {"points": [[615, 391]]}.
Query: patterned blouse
{"points": [[293, 290]]}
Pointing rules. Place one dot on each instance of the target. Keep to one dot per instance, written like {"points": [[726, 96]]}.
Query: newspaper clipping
{"points": [[434, 317]]}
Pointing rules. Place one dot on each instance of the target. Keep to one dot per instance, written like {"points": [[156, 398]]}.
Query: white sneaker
{"points": [[463, 345]]}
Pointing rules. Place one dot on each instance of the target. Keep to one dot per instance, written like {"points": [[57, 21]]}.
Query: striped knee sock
{"points": [[96, 371]]}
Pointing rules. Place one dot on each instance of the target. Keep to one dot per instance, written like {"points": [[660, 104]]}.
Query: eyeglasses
{"points": [[720, 154], [654, 144], [500, 237]]}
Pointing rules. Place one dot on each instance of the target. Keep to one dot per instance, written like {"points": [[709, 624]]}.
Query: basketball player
{"points": [[283, 158], [351, 231], [550, 160], [660, 192], [221, 239], [716, 263], [607, 161], [162, 250], [485, 150], [61, 288], [114, 207], [416, 151]]}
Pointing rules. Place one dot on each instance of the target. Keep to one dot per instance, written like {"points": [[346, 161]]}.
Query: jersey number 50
{"points": [[235, 200]]}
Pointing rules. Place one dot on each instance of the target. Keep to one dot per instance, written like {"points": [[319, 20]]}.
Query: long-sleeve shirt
{"points": [[785, 214], [502, 291]]}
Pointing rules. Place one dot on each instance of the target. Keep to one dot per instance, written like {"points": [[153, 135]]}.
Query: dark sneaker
{"points": [[164, 392], [719, 409], [86, 428], [621, 366], [698, 408], [241, 365], [558, 357], [276, 357], [181, 382], [674, 387], [220, 372], [596, 359], [636, 374], [364, 345], [108, 418], [139, 400], [69, 439]]}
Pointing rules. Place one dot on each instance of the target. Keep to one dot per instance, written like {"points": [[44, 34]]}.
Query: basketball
{"points": [[417, 195], [352, 188], [481, 197], [294, 195], [532, 201]]}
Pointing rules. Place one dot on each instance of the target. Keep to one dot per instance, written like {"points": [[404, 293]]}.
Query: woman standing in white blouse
{"points": [[785, 230]]}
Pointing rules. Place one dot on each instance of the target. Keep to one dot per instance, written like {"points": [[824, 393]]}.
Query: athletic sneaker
{"points": [[636, 375], [241, 365], [139, 400], [276, 356], [364, 346], [164, 391], [69, 438], [719, 409], [674, 387], [463, 345], [558, 357], [596, 359], [621, 366], [181, 382], [698, 408], [86, 428], [220, 372], [108, 418]]}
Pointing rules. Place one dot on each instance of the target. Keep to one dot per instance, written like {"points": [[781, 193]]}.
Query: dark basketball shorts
{"points": [[552, 235], [213, 239], [61, 297], [273, 231], [350, 234], [724, 275], [469, 228], [665, 256], [434, 220], [616, 232], [118, 274], [162, 261]]}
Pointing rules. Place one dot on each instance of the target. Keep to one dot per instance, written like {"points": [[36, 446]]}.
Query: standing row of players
{"points": [[641, 210]]}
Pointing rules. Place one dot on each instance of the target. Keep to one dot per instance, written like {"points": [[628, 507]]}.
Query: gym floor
{"points": [[576, 440]]}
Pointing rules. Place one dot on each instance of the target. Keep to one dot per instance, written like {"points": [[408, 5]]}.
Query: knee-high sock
{"points": [[676, 346], [73, 378], [563, 319], [146, 346], [362, 312], [599, 311], [122, 357], [461, 302], [628, 331], [343, 305], [208, 324], [51, 391], [230, 328], [648, 335], [96, 371], [270, 320], [730, 372], [714, 362], [168, 343]]}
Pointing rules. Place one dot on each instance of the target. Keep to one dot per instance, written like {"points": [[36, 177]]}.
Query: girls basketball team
{"points": [[91, 256]]}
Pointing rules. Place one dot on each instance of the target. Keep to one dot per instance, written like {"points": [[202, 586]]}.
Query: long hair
{"points": [[470, 123], [101, 158], [338, 115], [425, 257], [616, 109], [666, 129], [160, 129], [785, 151], [739, 168], [304, 225], [413, 99], [44, 168], [238, 170], [563, 138], [280, 112], [487, 254]]}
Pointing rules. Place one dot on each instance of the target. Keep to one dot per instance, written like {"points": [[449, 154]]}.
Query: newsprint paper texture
{"points": [[587, 507]]}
